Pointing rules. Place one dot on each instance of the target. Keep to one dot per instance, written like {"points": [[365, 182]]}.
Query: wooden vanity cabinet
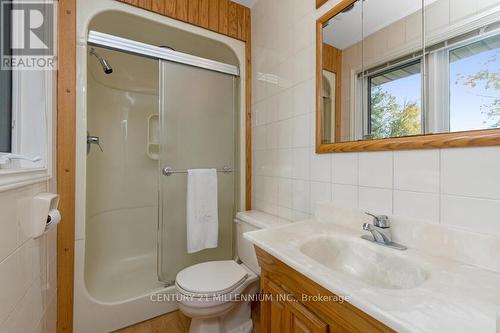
{"points": [[290, 304]]}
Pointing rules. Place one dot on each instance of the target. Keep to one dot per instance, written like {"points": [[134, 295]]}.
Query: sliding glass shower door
{"points": [[197, 130]]}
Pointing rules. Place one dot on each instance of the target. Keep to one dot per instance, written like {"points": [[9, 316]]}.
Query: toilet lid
{"points": [[213, 277]]}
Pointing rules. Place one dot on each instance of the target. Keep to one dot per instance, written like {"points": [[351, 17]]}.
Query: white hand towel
{"points": [[202, 213]]}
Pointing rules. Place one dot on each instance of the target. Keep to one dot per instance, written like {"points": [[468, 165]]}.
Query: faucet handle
{"points": [[381, 221]]}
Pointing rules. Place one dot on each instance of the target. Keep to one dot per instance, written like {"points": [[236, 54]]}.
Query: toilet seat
{"points": [[210, 279]]}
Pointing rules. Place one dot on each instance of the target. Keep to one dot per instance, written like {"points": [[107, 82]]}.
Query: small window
{"points": [[6, 94], [394, 102], [475, 85]]}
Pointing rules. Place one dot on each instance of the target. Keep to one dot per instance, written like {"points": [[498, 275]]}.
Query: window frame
{"points": [[433, 88], [20, 175], [11, 178], [10, 117], [367, 110], [449, 49]]}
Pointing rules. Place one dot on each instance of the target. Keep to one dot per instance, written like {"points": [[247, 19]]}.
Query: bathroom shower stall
{"points": [[154, 107]]}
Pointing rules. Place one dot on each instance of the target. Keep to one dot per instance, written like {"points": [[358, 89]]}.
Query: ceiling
{"points": [[344, 30], [247, 3]]}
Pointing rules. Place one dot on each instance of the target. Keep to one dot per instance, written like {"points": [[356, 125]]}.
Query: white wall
{"points": [[28, 269], [458, 187]]}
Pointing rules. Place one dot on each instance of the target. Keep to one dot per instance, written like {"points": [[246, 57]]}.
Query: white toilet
{"points": [[216, 294]]}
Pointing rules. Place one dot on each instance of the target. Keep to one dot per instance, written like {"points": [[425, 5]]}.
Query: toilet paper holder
{"points": [[45, 214]]}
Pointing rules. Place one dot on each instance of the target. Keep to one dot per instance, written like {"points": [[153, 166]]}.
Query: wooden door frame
{"points": [[66, 154], [66, 162]]}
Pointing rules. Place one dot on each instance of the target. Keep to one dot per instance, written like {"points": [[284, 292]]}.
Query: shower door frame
{"points": [[155, 52], [165, 56]]}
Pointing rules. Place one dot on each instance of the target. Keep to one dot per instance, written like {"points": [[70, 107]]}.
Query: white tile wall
{"points": [[459, 187], [345, 168], [375, 200], [417, 170], [483, 163], [27, 270], [375, 169], [418, 205], [345, 195]]}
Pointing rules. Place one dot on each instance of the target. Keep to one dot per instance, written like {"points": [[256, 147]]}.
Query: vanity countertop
{"points": [[455, 297]]}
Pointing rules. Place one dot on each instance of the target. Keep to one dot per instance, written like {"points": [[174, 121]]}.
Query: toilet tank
{"points": [[250, 221]]}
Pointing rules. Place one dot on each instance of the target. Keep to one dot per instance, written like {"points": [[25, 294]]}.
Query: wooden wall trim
{"points": [[66, 162], [222, 16], [332, 62], [332, 59], [248, 113]]}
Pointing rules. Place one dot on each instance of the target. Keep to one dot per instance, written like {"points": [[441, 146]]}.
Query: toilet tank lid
{"points": [[260, 219]]}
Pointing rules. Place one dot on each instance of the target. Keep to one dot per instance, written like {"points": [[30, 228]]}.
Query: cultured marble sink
{"points": [[434, 286], [377, 267]]}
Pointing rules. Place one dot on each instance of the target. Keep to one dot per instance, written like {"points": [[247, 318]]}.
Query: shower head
{"points": [[106, 67]]}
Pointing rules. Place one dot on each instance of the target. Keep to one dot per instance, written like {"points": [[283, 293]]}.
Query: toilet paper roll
{"points": [[53, 218]]}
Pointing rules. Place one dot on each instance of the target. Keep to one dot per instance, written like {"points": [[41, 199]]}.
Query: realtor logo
{"points": [[27, 40]]}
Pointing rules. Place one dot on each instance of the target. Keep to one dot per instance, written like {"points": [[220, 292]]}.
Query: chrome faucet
{"points": [[93, 140], [381, 232]]}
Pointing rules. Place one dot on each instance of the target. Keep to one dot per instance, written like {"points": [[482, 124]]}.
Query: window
{"points": [[462, 87], [27, 105], [6, 96], [474, 85], [394, 102]]}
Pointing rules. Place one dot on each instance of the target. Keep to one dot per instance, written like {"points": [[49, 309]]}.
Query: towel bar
{"points": [[168, 171]]}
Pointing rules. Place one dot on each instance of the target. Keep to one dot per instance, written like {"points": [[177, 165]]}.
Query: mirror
{"points": [[463, 62], [341, 58], [392, 70], [407, 69]]}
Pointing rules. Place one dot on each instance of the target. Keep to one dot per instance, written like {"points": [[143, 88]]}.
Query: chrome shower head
{"points": [[106, 67]]}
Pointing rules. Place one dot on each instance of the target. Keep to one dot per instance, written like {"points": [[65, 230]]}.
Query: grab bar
{"points": [[168, 171]]}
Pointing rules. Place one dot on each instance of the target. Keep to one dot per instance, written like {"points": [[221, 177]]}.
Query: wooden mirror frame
{"points": [[320, 3], [473, 138]]}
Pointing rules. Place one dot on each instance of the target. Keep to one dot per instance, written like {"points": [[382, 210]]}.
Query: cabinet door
{"points": [[273, 308], [301, 320], [281, 313]]}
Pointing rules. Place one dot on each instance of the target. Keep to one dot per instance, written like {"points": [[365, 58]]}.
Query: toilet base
{"points": [[236, 320], [244, 328]]}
